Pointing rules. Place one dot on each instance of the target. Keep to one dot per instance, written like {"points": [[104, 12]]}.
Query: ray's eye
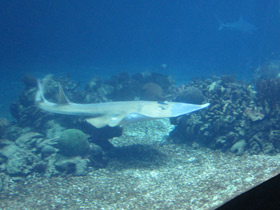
{"points": [[162, 105], [162, 108], [162, 102]]}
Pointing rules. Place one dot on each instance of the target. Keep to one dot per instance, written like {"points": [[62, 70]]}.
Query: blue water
{"points": [[101, 38]]}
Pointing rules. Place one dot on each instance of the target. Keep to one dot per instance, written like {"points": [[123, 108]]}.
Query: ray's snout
{"points": [[178, 109]]}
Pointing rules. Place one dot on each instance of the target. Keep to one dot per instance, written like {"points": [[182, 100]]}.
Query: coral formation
{"points": [[255, 113], [29, 81], [73, 142], [268, 92], [270, 69], [152, 91], [140, 86], [190, 94]]}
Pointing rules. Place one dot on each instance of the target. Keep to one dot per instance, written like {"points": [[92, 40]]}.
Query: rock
{"points": [[53, 129], [1, 185], [28, 140], [5, 142], [21, 162], [18, 161], [239, 147], [14, 131], [97, 156], [47, 151], [74, 165], [9, 150], [274, 137]]}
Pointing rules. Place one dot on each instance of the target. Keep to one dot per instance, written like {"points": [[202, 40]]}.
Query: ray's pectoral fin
{"points": [[115, 120], [98, 122], [104, 120]]}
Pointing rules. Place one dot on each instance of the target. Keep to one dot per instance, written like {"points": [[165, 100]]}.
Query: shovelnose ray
{"points": [[114, 113], [240, 25]]}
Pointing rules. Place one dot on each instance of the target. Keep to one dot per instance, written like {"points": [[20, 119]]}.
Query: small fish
{"points": [[114, 113], [240, 25]]}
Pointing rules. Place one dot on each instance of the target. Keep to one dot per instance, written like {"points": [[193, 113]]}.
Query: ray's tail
{"points": [[39, 97]]}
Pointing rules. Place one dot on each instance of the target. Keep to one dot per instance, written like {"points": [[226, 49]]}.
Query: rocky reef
{"points": [[243, 118]]}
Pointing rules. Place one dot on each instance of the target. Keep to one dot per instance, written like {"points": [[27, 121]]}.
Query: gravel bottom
{"points": [[151, 175]]}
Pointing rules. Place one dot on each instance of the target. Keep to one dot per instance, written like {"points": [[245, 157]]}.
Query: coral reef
{"points": [[241, 119], [216, 146], [237, 111]]}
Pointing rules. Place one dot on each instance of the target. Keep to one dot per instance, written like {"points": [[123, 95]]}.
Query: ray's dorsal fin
{"points": [[62, 99]]}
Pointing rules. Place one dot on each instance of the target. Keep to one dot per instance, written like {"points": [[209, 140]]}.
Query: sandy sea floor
{"points": [[146, 172]]}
